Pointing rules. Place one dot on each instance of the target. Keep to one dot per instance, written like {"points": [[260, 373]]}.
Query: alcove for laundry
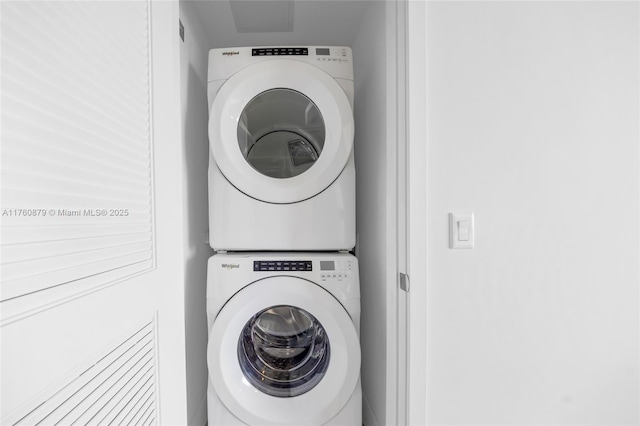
{"points": [[371, 30]]}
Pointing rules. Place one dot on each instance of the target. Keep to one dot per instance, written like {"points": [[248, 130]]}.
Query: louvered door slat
{"points": [[25, 252], [69, 261], [142, 410], [76, 146], [132, 406], [103, 382], [78, 271], [91, 392], [49, 234], [74, 154], [17, 163], [111, 394], [83, 378], [123, 373], [148, 418], [124, 397]]}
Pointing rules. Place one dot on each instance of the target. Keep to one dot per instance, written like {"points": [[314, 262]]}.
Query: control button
{"points": [[282, 265], [463, 230], [279, 51]]}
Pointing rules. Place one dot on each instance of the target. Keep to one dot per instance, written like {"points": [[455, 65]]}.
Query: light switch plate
{"points": [[461, 230]]}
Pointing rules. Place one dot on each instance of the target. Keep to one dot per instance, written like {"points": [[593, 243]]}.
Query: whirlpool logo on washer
{"points": [[230, 53], [230, 266]]}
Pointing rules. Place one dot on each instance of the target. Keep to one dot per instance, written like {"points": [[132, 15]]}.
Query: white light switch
{"points": [[463, 230], [460, 230]]}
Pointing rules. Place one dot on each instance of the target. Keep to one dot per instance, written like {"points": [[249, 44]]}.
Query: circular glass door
{"points": [[281, 133], [283, 351]]}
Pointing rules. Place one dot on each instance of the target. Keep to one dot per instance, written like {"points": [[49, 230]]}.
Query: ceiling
{"points": [[271, 22]]}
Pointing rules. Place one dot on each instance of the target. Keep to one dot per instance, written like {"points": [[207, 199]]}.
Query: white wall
{"points": [[375, 189], [533, 126], [195, 146], [315, 22]]}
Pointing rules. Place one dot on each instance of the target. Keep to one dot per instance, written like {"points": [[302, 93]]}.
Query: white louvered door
{"points": [[91, 300]]}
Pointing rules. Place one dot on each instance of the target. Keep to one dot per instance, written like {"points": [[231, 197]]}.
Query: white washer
{"points": [[281, 167], [284, 339]]}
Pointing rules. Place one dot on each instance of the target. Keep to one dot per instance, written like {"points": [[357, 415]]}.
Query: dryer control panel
{"points": [[279, 51], [319, 54], [323, 53], [337, 61], [332, 54]]}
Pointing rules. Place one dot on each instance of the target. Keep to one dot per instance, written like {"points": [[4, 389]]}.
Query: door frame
{"points": [[417, 232], [411, 290], [402, 311]]}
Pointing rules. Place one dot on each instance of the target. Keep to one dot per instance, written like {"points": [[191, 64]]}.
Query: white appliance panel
{"points": [[243, 287], [281, 166]]}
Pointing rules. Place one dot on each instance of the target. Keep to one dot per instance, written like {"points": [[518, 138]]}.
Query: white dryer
{"points": [[283, 339], [281, 167]]}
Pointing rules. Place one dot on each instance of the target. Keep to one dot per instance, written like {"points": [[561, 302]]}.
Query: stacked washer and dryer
{"points": [[283, 293]]}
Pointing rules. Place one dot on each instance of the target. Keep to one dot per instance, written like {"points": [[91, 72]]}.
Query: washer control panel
{"points": [[329, 270], [282, 265]]}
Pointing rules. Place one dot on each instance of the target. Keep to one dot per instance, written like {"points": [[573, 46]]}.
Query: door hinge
{"points": [[404, 282]]}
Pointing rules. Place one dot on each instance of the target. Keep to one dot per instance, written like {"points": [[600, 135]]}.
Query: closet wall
{"points": [[193, 80]]}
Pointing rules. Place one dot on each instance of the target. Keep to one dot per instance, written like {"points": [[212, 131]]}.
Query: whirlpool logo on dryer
{"points": [[230, 53], [230, 266]]}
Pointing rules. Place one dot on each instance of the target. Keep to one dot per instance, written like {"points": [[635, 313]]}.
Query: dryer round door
{"points": [[281, 131], [283, 351]]}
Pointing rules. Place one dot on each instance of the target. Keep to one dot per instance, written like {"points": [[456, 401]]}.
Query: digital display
{"points": [[323, 51], [327, 265]]}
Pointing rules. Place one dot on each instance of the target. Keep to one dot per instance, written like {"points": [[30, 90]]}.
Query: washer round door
{"points": [[281, 131], [283, 351]]}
